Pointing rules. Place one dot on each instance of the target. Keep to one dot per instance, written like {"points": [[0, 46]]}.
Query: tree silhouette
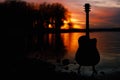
{"points": [[44, 15], [59, 14], [52, 14]]}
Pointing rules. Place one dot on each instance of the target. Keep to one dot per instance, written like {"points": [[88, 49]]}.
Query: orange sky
{"points": [[104, 13]]}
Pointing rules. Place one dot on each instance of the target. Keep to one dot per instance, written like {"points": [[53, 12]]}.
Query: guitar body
{"points": [[87, 53]]}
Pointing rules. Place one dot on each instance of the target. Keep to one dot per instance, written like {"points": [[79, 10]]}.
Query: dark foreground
{"points": [[41, 70]]}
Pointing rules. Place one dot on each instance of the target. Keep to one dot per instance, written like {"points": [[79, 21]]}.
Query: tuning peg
{"points": [[87, 7]]}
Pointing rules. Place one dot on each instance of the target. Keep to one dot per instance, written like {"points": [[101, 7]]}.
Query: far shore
{"points": [[83, 30]]}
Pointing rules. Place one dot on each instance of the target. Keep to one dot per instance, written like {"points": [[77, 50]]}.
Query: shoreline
{"points": [[81, 30]]}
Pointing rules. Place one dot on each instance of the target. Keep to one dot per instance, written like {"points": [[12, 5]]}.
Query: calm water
{"points": [[64, 45]]}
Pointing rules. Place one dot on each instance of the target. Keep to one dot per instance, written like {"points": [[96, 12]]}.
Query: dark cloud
{"points": [[105, 17], [116, 17], [99, 2], [117, 2]]}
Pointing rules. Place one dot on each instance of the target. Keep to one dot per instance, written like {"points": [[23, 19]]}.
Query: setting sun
{"points": [[77, 23], [73, 23]]}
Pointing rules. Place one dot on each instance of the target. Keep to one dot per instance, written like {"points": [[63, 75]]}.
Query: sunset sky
{"points": [[104, 13]]}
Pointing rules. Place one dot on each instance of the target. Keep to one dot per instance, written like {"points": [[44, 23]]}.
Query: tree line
{"points": [[19, 12]]}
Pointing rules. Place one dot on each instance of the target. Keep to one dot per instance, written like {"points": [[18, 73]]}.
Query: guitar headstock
{"points": [[87, 7]]}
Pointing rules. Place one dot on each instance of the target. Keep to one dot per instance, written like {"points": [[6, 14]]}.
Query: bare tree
{"points": [[52, 14]]}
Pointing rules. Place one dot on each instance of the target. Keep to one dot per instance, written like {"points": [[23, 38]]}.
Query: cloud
{"points": [[105, 3], [105, 17], [115, 19], [117, 2]]}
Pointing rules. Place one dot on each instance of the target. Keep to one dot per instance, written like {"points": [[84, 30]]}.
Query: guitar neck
{"points": [[87, 25], [87, 10]]}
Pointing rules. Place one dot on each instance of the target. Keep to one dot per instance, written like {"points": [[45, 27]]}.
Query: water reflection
{"points": [[109, 47], [108, 44], [64, 45], [49, 47], [71, 43]]}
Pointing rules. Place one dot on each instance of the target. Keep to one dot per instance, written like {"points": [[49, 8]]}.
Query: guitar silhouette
{"points": [[87, 53]]}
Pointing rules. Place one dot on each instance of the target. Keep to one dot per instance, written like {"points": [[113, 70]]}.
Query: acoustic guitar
{"points": [[87, 53]]}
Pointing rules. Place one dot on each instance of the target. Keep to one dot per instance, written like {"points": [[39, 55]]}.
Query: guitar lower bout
{"points": [[87, 53]]}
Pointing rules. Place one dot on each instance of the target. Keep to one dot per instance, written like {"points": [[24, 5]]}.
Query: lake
{"points": [[64, 46]]}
